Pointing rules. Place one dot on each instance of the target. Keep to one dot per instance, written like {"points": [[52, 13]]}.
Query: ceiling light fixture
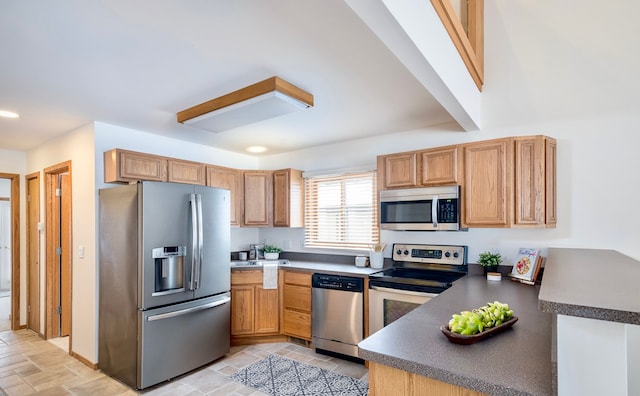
{"points": [[269, 98], [256, 149], [8, 114]]}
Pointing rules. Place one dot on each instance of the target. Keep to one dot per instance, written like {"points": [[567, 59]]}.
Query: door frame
{"points": [[32, 199], [15, 248], [52, 221]]}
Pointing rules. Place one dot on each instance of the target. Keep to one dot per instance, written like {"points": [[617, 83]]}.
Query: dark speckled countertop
{"points": [[514, 362], [588, 283]]}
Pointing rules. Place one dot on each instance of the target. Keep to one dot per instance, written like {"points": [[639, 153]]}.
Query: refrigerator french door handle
{"points": [[194, 240], [188, 310], [198, 276]]}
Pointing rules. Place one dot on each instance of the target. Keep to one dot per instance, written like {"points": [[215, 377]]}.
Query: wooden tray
{"points": [[472, 339]]}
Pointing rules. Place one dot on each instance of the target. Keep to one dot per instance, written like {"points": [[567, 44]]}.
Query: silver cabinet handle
{"points": [[188, 310]]}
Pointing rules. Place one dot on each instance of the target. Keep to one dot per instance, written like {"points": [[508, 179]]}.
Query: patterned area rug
{"points": [[279, 376]]}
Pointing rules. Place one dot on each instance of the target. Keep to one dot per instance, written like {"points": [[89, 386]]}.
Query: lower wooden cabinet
{"points": [[385, 380], [296, 305], [254, 310]]}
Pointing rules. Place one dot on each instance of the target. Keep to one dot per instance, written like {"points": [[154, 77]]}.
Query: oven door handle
{"points": [[400, 291]]}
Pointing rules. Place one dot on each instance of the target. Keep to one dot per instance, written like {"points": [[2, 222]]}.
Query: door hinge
{"points": [[59, 250], [28, 198], [58, 192], [28, 308], [59, 310]]}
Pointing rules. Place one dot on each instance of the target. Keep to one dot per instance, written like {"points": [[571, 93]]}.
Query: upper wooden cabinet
{"points": [[440, 166], [535, 181], [510, 182], [229, 179], [122, 166], [429, 167], [180, 171], [258, 198], [398, 171], [288, 198], [487, 188]]}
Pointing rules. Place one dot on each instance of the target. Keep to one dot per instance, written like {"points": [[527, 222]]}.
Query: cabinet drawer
{"points": [[246, 277], [297, 298], [298, 278], [297, 324]]}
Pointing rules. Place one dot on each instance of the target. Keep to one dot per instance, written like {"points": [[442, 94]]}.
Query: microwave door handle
{"points": [[434, 211], [194, 239]]}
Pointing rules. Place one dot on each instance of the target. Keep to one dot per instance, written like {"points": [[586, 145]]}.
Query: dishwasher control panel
{"points": [[337, 282]]}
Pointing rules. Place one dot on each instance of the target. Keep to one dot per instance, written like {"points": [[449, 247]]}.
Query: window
{"points": [[341, 211]]}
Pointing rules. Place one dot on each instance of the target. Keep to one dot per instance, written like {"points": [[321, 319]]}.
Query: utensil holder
{"points": [[376, 259]]}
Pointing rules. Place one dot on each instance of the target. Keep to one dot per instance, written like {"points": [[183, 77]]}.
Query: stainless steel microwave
{"points": [[421, 209]]}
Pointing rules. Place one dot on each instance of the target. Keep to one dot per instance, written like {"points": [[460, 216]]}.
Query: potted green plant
{"points": [[490, 261], [271, 252]]}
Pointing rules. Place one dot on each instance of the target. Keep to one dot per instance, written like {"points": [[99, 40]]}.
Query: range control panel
{"points": [[436, 254]]}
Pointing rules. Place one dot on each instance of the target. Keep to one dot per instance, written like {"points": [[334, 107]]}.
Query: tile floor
{"points": [[30, 365]]}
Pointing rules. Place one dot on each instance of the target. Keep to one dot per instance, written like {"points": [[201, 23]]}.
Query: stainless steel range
{"points": [[419, 273]]}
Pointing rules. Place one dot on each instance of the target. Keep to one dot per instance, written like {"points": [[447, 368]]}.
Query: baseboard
{"points": [[84, 360]]}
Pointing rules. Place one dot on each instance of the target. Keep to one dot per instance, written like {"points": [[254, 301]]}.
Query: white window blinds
{"points": [[341, 211]]}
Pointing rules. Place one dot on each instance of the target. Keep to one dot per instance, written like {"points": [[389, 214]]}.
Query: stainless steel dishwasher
{"points": [[337, 314]]}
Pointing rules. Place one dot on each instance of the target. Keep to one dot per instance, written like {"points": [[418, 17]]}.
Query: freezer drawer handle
{"points": [[188, 310]]}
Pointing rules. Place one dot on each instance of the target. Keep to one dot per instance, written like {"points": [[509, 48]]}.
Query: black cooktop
{"points": [[414, 279]]}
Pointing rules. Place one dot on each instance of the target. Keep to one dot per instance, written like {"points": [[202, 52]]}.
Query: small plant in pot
{"points": [[490, 261], [271, 252]]}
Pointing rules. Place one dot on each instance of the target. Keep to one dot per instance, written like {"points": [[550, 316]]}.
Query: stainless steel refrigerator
{"points": [[164, 300]]}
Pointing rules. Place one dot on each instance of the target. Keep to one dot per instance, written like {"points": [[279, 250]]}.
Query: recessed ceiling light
{"points": [[8, 114], [256, 149]]}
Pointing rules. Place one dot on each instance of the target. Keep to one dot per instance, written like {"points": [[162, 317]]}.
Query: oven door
{"points": [[387, 305]]}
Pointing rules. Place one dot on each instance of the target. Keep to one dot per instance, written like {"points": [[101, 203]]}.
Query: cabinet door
{"points": [[185, 172], [487, 183], [297, 298], [399, 170], [125, 166], [529, 194], [297, 324], [257, 198], [288, 198], [297, 278], [439, 166], [229, 179], [267, 319], [242, 309]]}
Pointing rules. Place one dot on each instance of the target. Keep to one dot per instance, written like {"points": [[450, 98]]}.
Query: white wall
{"points": [[77, 147]]}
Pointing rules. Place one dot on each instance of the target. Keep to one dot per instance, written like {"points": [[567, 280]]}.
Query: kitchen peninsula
{"points": [[412, 354]]}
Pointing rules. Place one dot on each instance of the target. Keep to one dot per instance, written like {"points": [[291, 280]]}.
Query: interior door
{"points": [[65, 257], [33, 254]]}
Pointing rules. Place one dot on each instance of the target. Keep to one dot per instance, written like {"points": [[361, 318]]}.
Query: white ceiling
{"points": [[137, 63]]}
